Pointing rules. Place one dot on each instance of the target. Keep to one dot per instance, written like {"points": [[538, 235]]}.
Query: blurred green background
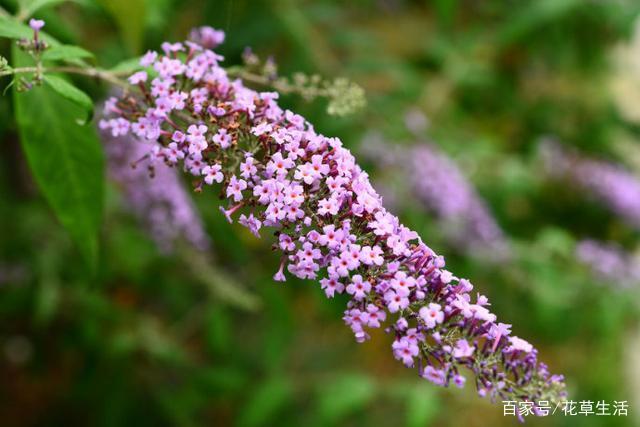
{"points": [[150, 340]]}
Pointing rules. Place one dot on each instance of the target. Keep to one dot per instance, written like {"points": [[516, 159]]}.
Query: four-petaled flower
{"points": [[212, 173], [235, 187], [431, 315]]}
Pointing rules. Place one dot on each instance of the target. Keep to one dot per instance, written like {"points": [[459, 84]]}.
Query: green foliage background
{"points": [[145, 339]]}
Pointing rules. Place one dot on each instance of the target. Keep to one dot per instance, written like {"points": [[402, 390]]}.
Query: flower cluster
{"points": [[275, 171], [159, 200], [437, 182], [609, 262], [610, 183]]}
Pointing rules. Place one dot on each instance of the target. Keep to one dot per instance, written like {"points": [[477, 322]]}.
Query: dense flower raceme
{"points": [[159, 201], [277, 172], [439, 184], [611, 183], [610, 262]]}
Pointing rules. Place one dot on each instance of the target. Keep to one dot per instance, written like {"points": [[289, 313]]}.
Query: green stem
{"points": [[107, 76], [258, 79], [279, 85]]}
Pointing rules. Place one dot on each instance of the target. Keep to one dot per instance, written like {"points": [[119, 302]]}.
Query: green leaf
{"points": [[422, 404], [29, 7], [65, 159], [68, 91], [265, 401], [66, 53], [344, 395], [129, 16]]}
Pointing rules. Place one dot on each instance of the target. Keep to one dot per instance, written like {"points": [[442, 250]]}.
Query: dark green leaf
{"points": [[66, 53], [65, 158], [72, 93]]}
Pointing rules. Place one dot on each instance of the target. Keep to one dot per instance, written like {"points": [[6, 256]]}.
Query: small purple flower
{"points": [[207, 37], [405, 351], [434, 375], [358, 287], [252, 223], [235, 188], [462, 349], [518, 344], [36, 25], [375, 316], [496, 332], [279, 275], [331, 286], [139, 77], [212, 173], [431, 315], [222, 138], [148, 59], [459, 381]]}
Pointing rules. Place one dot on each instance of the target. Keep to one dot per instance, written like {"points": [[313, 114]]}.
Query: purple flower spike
{"points": [[608, 182], [160, 202], [330, 223], [610, 262]]}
